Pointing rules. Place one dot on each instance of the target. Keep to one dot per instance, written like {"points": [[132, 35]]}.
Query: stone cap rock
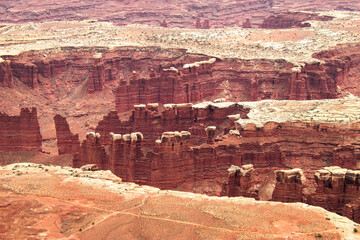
{"points": [[115, 136], [197, 64], [219, 100], [139, 106], [153, 105], [210, 128], [89, 167], [184, 105], [234, 132], [334, 174], [244, 170], [171, 69], [169, 105], [131, 137], [175, 136], [91, 135], [295, 175]]}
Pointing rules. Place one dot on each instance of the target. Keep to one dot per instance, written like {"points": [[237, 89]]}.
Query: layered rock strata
{"points": [[240, 181], [20, 133], [338, 191], [67, 142], [173, 76], [289, 185], [272, 145], [152, 122], [6, 77], [92, 152]]}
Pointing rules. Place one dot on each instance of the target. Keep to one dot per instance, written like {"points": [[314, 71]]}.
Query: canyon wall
{"points": [[341, 62], [20, 133], [154, 75], [333, 188], [207, 156], [151, 121]]}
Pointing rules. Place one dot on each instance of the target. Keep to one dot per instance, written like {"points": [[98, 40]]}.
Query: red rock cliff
{"points": [[67, 142], [6, 77], [182, 117], [20, 133]]}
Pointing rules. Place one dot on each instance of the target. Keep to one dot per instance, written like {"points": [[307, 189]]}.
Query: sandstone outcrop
{"points": [[273, 145], [89, 167], [240, 181], [337, 191], [292, 20], [163, 23], [340, 64], [92, 152], [152, 122], [289, 185], [126, 158], [20, 133], [67, 142], [174, 76], [247, 24], [198, 23], [206, 24], [210, 134], [6, 78]]}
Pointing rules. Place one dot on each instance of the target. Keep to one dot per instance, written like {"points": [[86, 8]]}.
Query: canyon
{"points": [[232, 120]]}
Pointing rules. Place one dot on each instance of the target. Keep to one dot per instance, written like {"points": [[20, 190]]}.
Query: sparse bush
{"points": [[318, 236]]}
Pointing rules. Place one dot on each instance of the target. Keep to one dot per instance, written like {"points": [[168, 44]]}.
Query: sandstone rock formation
{"points": [[338, 191], [67, 142], [336, 188], [89, 167], [126, 157], [289, 185], [206, 24], [148, 120], [198, 23], [247, 24], [163, 23], [292, 19], [91, 152], [20, 133], [275, 145], [6, 78], [210, 134], [186, 78], [240, 181]]}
